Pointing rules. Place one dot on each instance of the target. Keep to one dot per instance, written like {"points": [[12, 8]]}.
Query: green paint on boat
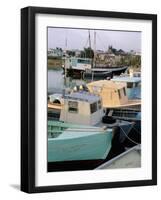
{"points": [[67, 142]]}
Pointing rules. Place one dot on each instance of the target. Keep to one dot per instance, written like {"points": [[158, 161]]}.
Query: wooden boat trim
{"points": [[55, 106]]}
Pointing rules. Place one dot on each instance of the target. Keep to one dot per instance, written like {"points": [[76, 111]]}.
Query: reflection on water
{"points": [[57, 82]]}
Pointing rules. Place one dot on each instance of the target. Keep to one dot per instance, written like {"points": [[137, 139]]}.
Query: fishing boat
{"points": [[133, 84], [114, 70], [76, 130], [83, 68], [75, 66], [119, 107], [113, 94], [73, 136], [103, 73]]}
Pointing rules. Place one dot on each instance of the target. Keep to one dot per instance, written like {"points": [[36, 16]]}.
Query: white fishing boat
{"points": [[76, 66], [76, 130], [80, 64], [74, 135]]}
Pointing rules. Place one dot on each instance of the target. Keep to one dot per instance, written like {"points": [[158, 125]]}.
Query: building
{"points": [[58, 52]]}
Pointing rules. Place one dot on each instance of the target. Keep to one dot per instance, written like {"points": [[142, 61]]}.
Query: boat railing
{"points": [[60, 128]]}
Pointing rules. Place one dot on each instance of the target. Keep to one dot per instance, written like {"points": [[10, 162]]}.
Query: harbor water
{"points": [[57, 82]]}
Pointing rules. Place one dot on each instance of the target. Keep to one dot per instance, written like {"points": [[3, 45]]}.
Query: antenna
{"points": [[94, 59], [89, 38], [65, 60]]}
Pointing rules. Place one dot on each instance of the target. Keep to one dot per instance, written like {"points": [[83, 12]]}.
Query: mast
{"points": [[65, 67], [89, 39], [94, 59]]}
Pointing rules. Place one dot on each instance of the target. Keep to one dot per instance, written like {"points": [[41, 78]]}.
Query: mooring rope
{"points": [[136, 130], [128, 136]]}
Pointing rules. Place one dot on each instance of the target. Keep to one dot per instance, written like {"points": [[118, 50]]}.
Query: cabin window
{"points": [[129, 85], [119, 93], [99, 104], [93, 107], [73, 106], [124, 91]]}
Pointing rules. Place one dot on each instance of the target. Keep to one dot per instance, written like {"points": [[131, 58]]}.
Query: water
{"points": [[57, 82]]}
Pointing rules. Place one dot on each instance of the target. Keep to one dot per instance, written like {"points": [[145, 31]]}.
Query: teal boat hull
{"points": [[72, 145]]}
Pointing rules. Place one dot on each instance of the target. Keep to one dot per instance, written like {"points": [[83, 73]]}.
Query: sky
{"points": [[78, 39]]}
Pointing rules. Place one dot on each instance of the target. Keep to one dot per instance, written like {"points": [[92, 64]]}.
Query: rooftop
{"points": [[83, 96], [107, 84]]}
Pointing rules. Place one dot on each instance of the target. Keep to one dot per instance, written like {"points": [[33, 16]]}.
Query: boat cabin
{"points": [[132, 82], [82, 108], [132, 85], [79, 63], [112, 94]]}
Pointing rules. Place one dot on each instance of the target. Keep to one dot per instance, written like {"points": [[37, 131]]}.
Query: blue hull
{"points": [[70, 146]]}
